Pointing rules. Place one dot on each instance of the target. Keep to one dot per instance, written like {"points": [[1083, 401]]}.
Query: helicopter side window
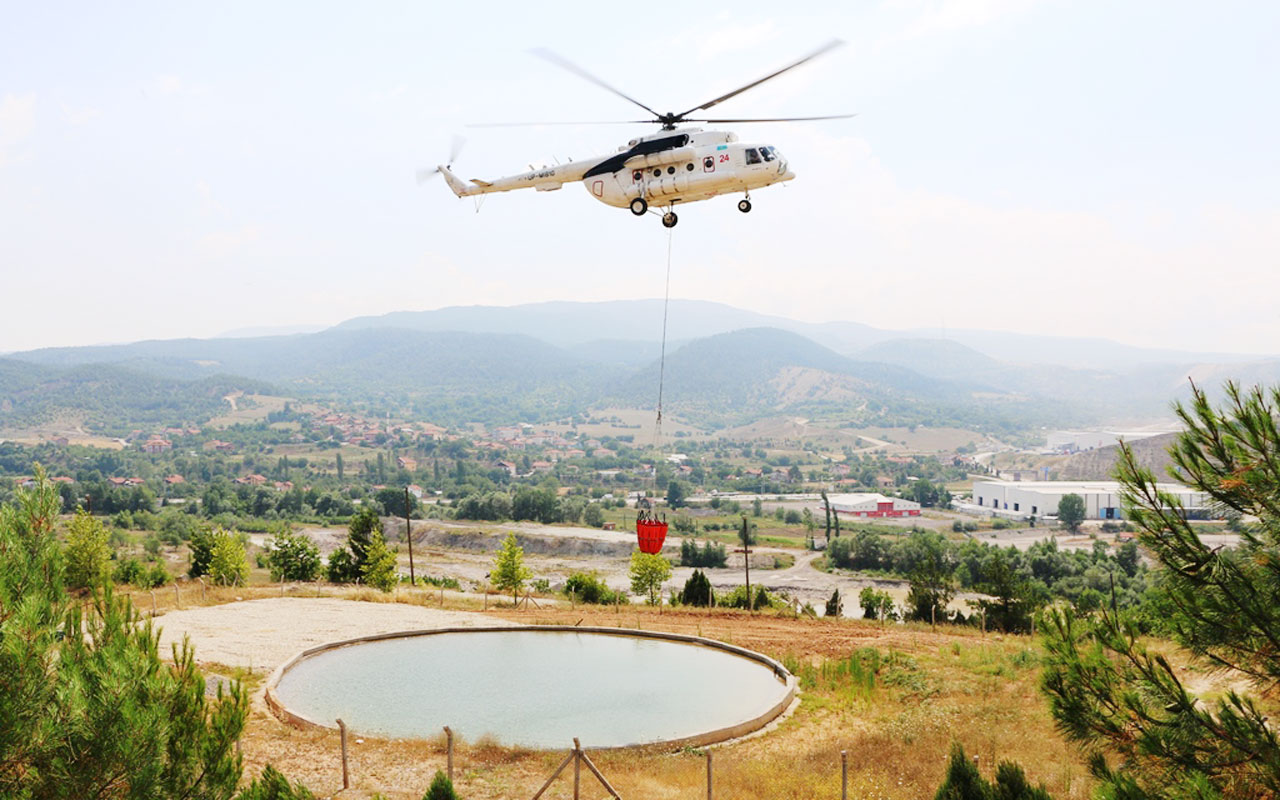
{"points": [[768, 153], [753, 155], [709, 164], [635, 176], [689, 166], [657, 173], [671, 170]]}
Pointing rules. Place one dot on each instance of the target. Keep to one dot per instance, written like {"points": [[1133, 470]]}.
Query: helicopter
{"points": [[662, 169]]}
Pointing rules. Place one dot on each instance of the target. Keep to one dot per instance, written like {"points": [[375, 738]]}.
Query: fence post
{"points": [[577, 766], [346, 775], [448, 733], [153, 602], [177, 596], [202, 588], [844, 775], [708, 773]]}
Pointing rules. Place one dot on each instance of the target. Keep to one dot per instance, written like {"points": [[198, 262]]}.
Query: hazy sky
{"points": [[1089, 167]]}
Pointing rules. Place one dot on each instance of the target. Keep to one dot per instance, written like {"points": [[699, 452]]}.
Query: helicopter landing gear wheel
{"points": [[669, 219], [639, 206], [744, 206]]}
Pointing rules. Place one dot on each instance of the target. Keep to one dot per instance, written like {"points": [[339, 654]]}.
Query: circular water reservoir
{"points": [[537, 688]]}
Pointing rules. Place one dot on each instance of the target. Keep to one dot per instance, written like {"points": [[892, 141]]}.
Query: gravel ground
{"points": [[263, 634]]}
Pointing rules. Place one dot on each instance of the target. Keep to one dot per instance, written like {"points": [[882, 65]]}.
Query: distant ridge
{"points": [[725, 365], [566, 323]]}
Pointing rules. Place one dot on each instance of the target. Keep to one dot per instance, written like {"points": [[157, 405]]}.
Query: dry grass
{"points": [[893, 697]]}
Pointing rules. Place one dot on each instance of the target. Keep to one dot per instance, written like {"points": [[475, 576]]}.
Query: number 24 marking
{"points": [[724, 157]]}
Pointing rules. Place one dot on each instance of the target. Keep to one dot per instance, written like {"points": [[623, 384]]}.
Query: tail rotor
{"points": [[427, 173]]}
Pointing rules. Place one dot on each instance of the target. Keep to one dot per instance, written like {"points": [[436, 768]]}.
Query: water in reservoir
{"points": [[529, 688]]}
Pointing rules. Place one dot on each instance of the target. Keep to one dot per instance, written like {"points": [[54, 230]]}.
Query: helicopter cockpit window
{"points": [[768, 153], [753, 156]]}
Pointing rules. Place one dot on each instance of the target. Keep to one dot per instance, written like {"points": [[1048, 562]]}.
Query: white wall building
{"points": [[1040, 498], [872, 505]]}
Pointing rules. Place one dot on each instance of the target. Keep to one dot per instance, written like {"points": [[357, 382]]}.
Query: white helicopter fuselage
{"points": [[662, 169]]}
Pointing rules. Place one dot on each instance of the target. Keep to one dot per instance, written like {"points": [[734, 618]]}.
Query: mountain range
{"points": [[534, 362]]}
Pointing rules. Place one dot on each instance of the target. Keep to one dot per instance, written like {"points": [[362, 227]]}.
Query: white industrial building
{"points": [[872, 505], [1040, 498]]}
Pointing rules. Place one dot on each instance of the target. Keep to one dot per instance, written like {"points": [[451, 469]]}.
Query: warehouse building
{"points": [[872, 505], [1024, 499]]}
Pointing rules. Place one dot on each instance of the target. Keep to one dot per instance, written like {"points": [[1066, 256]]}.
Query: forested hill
{"points": [[737, 377], [441, 375], [108, 398], [453, 377]]}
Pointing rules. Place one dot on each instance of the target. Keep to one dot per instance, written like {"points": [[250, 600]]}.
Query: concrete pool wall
{"points": [[716, 735]]}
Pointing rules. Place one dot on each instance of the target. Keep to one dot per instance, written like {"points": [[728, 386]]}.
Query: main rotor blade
{"points": [[585, 122], [774, 119], [831, 45], [563, 63]]}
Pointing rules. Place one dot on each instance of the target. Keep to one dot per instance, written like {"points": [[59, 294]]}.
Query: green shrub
{"points": [[292, 557], [761, 597], [709, 555], [443, 582], [272, 785], [441, 788], [586, 587], [129, 570]]}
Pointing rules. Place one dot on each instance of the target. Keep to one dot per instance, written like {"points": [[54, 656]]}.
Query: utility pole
{"points": [[408, 534], [745, 536]]}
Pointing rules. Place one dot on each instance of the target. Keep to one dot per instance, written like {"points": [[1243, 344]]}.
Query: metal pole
{"points": [[844, 775], [408, 534], [346, 775], [449, 738], [177, 596]]}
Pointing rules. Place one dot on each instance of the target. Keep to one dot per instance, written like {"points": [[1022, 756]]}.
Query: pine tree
{"points": [[965, 782], [441, 788], [88, 554], [835, 604], [89, 708], [379, 568], [1146, 734], [509, 571], [228, 565], [648, 572]]}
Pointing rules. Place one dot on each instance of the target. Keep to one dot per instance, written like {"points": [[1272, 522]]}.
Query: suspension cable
{"points": [[662, 359]]}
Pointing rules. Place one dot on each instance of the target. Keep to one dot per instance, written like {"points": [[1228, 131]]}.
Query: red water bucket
{"points": [[651, 534]]}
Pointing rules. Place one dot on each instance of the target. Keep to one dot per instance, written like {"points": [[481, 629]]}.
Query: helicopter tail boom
{"points": [[459, 188]]}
